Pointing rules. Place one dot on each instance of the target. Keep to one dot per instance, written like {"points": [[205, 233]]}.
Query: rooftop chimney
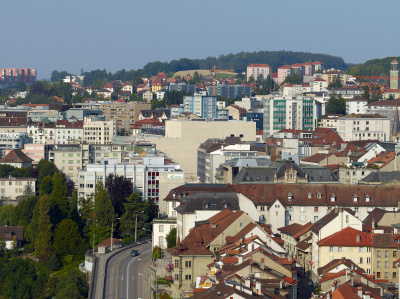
{"points": [[240, 259], [359, 292]]}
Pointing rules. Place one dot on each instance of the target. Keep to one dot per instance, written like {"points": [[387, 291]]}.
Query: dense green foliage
{"points": [[336, 105], [171, 238], [374, 67]]}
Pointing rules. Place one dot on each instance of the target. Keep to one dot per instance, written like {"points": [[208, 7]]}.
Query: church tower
{"points": [[394, 75]]}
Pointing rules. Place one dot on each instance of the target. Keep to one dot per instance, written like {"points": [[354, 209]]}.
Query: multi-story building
{"points": [[297, 113], [330, 121], [70, 159], [290, 90], [99, 131], [202, 106], [358, 105], [60, 132], [318, 85], [256, 69], [11, 76], [364, 127], [37, 152], [13, 188], [283, 72], [235, 91], [189, 88], [10, 140], [123, 113], [384, 256], [81, 113], [153, 176], [44, 115], [332, 76], [385, 108], [212, 153], [394, 75]]}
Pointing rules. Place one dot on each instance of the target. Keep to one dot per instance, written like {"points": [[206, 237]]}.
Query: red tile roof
{"points": [[285, 67], [258, 65], [347, 237], [291, 229], [15, 156], [316, 62]]}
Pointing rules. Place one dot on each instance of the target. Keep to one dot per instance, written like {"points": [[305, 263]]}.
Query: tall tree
{"points": [[336, 105], [59, 194], [104, 211], [119, 189], [36, 88], [67, 238], [132, 207], [171, 238], [44, 234]]}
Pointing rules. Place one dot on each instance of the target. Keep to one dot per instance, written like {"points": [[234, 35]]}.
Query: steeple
{"points": [[394, 75]]}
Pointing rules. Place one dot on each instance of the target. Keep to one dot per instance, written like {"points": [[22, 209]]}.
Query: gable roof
{"points": [[8, 232], [337, 262], [15, 156], [291, 229], [347, 237]]}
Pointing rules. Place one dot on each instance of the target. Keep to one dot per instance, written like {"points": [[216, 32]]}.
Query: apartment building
{"points": [[256, 69], [99, 131], [44, 115], [283, 72], [235, 91], [364, 127], [59, 132], [385, 108], [358, 105], [297, 113], [153, 176], [10, 140], [205, 107], [123, 113], [11, 76], [330, 121], [13, 188]]}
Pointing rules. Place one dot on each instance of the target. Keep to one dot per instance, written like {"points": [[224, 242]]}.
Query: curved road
{"points": [[128, 277]]}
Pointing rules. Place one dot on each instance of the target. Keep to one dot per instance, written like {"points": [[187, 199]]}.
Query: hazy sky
{"points": [[90, 34]]}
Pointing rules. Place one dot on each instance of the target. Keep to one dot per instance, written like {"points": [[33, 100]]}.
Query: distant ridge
{"points": [[373, 67]]}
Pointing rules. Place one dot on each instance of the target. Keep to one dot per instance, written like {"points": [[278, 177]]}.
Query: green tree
{"points": [[73, 285], [119, 189], [36, 88], [67, 238], [20, 86], [44, 233], [86, 208], [104, 210], [132, 207], [46, 168], [59, 194], [251, 79], [27, 192], [366, 95], [336, 83], [46, 186], [6, 215], [171, 238], [336, 105]]}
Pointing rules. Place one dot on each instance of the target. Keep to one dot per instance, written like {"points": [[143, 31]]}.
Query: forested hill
{"points": [[374, 67], [240, 61]]}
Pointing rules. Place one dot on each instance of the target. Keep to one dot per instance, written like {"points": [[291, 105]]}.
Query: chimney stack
{"points": [[360, 292]]}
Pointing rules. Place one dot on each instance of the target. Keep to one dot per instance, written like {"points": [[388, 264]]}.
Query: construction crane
{"points": [[214, 72]]}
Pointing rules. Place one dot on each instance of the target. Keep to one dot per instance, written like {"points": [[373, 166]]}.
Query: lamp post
{"points": [[136, 225], [112, 230]]}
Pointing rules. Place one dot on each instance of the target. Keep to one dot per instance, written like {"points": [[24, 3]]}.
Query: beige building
{"points": [[330, 121], [123, 113], [99, 132], [330, 77], [384, 256], [182, 138], [12, 188], [364, 127]]}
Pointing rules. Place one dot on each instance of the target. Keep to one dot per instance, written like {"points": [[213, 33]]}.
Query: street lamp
{"points": [[136, 225], [112, 230]]}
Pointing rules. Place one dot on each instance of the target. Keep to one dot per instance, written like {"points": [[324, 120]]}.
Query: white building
{"points": [[61, 132], [364, 127], [297, 113], [153, 176], [12, 140], [98, 131], [291, 90], [358, 105], [12, 188], [318, 85], [256, 69]]}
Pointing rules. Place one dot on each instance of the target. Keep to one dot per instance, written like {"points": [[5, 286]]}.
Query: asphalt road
{"points": [[128, 277]]}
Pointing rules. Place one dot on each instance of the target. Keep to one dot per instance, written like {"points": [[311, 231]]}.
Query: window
{"points": [[290, 197], [394, 274], [330, 248], [378, 253], [319, 195], [355, 198], [302, 209], [368, 260], [386, 265], [361, 260], [386, 274], [176, 276], [188, 264], [386, 253], [347, 219], [333, 197], [309, 195], [161, 228], [161, 241], [378, 264], [315, 218], [394, 264], [262, 209], [315, 209], [302, 218], [176, 264], [367, 198], [188, 277], [356, 210], [394, 253]]}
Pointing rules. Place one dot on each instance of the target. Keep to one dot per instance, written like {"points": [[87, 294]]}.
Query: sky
{"points": [[95, 34]]}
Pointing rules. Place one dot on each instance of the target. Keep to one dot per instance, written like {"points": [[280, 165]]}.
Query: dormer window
{"points": [[367, 198], [309, 195], [355, 198], [289, 196], [319, 195], [333, 197]]}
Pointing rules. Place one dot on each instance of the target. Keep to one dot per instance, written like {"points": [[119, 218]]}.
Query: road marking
{"points": [[139, 268], [116, 283], [127, 274]]}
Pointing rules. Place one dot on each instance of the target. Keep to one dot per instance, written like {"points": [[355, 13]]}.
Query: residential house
{"points": [[17, 159], [11, 234], [359, 105], [12, 189]]}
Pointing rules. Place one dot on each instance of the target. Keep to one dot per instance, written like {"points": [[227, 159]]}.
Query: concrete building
{"points": [[10, 140], [385, 108], [60, 132], [318, 85], [122, 113], [364, 127], [330, 121], [44, 115], [256, 69], [152, 176], [212, 153], [205, 107], [11, 76], [291, 90], [99, 132], [11, 189], [235, 91], [17, 159], [297, 113], [81, 113], [283, 72], [358, 105], [394, 75], [190, 88], [182, 138]]}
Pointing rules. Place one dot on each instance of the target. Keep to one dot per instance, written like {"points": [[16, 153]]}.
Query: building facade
{"points": [[258, 69]]}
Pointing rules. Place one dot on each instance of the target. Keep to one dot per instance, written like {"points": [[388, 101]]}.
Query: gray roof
{"points": [[382, 177], [277, 169], [209, 201]]}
